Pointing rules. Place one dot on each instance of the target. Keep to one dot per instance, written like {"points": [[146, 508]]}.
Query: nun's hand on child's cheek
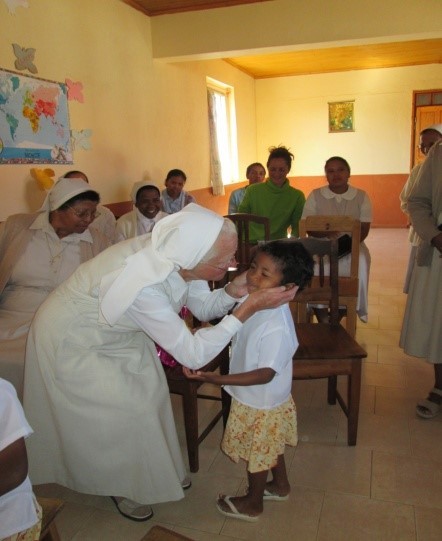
{"points": [[273, 297], [237, 288]]}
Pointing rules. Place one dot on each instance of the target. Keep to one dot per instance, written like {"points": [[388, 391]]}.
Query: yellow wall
{"points": [[294, 111], [147, 117], [281, 24]]}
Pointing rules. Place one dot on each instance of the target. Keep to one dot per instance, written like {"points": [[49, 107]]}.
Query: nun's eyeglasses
{"points": [[85, 214]]}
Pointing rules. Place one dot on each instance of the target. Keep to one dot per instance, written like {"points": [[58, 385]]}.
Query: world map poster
{"points": [[34, 120]]}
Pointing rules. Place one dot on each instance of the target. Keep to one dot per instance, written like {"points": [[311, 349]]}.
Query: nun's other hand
{"points": [[263, 299]]}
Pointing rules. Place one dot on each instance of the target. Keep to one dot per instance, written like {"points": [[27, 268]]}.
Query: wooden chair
{"points": [[348, 285], [51, 507], [188, 389], [327, 350], [242, 221]]}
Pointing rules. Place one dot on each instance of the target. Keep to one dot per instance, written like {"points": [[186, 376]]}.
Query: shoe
{"points": [[133, 510], [233, 513], [271, 497], [427, 409], [186, 483]]}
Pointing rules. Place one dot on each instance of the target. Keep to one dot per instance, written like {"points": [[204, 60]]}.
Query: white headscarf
{"points": [[63, 190], [137, 187], [178, 241], [435, 127]]}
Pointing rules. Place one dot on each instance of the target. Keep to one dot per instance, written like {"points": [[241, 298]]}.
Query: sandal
{"points": [[233, 511], [133, 510], [427, 409]]}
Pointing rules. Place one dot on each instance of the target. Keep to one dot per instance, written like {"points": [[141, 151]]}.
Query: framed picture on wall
{"points": [[341, 116], [34, 120]]}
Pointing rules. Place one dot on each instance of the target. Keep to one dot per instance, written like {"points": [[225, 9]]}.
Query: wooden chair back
{"points": [[348, 285], [243, 221], [323, 288], [327, 350]]}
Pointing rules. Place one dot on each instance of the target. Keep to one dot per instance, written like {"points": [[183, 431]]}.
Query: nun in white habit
{"points": [[95, 390], [38, 251]]}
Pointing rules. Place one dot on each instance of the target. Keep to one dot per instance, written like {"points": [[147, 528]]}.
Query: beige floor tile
{"points": [[395, 402], [198, 507], [383, 375], [420, 376], [377, 336], [380, 433], [371, 350], [295, 520], [318, 425], [394, 355], [348, 518], [372, 323], [106, 525], [332, 468], [390, 322], [197, 535], [426, 438], [428, 524], [407, 480]]}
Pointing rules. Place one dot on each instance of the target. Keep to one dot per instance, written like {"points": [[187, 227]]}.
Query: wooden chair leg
{"points": [[190, 411], [331, 390], [353, 399]]}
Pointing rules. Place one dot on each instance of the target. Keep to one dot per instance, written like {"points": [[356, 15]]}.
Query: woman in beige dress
{"points": [[37, 252]]}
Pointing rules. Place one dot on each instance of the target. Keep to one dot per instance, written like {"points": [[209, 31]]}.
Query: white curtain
{"points": [[215, 162]]}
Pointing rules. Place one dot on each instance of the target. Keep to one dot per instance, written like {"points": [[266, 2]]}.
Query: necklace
{"points": [[55, 258]]}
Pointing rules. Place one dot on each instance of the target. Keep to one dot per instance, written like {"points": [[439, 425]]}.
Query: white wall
{"points": [[294, 111]]}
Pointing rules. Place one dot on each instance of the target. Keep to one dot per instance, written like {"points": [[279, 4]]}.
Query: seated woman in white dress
{"points": [[341, 199], [147, 212], [37, 252]]}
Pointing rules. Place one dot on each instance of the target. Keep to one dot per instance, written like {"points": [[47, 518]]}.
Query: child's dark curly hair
{"points": [[294, 261]]}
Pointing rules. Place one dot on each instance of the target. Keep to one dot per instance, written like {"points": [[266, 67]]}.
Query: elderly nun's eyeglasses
{"points": [[85, 214]]}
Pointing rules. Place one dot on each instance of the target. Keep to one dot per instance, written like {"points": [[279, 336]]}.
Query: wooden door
{"points": [[425, 116]]}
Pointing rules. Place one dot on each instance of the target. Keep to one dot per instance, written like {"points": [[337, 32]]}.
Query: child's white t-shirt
{"points": [[17, 507], [267, 339]]}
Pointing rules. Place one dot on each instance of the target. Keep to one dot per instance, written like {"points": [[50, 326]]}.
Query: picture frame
{"points": [[341, 116]]}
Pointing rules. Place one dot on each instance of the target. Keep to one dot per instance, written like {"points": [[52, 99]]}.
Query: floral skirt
{"points": [[259, 436]]}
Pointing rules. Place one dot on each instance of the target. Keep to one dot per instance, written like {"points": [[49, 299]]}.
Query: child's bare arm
{"points": [[254, 377], [13, 466]]}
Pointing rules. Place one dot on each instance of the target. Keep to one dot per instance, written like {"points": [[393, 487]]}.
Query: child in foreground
{"points": [[262, 418], [20, 513]]}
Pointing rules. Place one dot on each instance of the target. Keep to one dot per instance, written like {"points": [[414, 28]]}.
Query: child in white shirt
{"points": [[20, 514], [262, 418]]}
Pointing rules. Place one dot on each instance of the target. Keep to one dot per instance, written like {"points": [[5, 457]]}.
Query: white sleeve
{"points": [[366, 212], [154, 314], [13, 423]]}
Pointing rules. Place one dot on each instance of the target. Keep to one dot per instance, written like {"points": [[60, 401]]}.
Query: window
{"points": [[222, 127]]}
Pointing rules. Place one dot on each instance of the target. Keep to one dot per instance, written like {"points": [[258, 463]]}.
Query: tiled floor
{"points": [[388, 487]]}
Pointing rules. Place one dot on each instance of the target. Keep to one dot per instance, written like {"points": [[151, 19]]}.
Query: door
{"points": [[425, 116]]}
